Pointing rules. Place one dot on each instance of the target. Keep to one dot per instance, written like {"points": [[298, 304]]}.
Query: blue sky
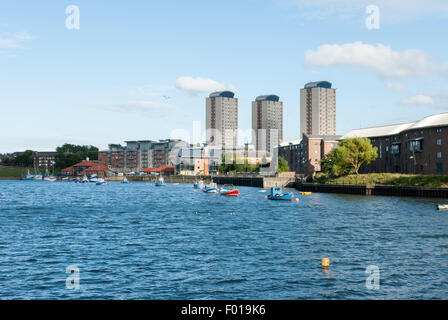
{"points": [[142, 69]]}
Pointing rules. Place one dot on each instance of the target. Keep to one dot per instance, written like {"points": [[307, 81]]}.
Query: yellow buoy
{"points": [[325, 262]]}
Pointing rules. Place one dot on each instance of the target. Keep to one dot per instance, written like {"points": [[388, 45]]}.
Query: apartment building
{"points": [[318, 109], [140, 155], [418, 147], [44, 159], [267, 122], [304, 155], [221, 118]]}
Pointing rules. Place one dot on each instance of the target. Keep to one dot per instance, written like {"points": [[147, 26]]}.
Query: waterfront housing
{"points": [[139, 155], [221, 119], [418, 147], [304, 155], [267, 122], [44, 159], [198, 160], [318, 109]]}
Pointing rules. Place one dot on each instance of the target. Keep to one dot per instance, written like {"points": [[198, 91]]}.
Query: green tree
{"points": [[70, 154], [349, 156], [283, 165], [25, 159], [332, 166]]}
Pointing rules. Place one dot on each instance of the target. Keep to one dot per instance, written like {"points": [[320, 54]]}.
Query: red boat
{"points": [[229, 191]]}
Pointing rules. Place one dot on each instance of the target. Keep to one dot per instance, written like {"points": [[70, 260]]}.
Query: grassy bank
{"points": [[12, 172], [391, 179]]}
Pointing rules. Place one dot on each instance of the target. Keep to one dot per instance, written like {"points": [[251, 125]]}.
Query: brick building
{"points": [[44, 159], [304, 156], [139, 155], [86, 167], [418, 147]]}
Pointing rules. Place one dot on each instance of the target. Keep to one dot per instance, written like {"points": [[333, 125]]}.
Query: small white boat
{"points": [[37, 177], [29, 176], [442, 207], [211, 188], [101, 182], [125, 180], [85, 180], [160, 182]]}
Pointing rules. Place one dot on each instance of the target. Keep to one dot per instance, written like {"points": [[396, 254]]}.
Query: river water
{"points": [[138, 241]]}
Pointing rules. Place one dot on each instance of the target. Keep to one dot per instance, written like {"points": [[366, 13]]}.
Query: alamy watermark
{"points": [[72, 281], [72, 22], [373, 279], [232, 144], [373, 18]]}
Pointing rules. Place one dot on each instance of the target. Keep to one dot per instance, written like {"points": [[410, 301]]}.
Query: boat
{"points": [[442, 207], [124, 180], [305, 193], [229, 191], [199, 184], [277, 194], [93, 178], [65, 179], [101, 182], [210, 188], [160, 182], [48, 177], [85, 180], [37, 177], [29, 176]]}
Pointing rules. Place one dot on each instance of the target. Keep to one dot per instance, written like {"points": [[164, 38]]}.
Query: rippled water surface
{"points": [[137, 241]]}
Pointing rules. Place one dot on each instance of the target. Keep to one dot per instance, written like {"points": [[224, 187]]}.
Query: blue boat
{"points": [[101, 182], [211, 188], [199, 185], [160, 182], [277, 194]]}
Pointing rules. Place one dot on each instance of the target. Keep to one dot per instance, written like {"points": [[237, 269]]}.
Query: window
{"points": [[439, 130], [416, 145], [439, 167], [439, 155], [439, 142]]}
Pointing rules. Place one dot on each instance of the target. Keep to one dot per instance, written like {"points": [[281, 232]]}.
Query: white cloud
{"points": [[14, 40], [418, 100], [380, 59], [201, 85], [150, 107], [390, 10], [397, 87]]}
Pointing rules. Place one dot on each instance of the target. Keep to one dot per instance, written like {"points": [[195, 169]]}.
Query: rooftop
{"points": [[436, 120], [269, 97], [318, 84], [323, 137], [290, 143], [222, 94]]}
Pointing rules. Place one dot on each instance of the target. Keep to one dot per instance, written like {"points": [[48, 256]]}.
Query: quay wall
{"points": [[376, 190], [259, 182]]}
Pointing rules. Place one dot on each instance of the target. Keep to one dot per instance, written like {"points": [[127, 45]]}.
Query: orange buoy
{"points": [[265, 197], [325, 262], [297, 199]]}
